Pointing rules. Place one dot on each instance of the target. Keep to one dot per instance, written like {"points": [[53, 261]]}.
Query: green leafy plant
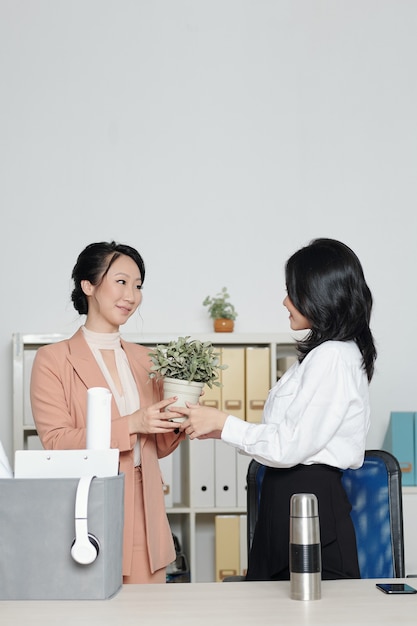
{"points": [[219, 306], [186, 359]]}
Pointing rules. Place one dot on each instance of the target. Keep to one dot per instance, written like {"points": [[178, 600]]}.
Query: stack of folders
{"points": [[231, 546], [401, 441], [246, 381]]}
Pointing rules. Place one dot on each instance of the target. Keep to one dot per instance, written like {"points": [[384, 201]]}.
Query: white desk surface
{"points": [[343, 603]]}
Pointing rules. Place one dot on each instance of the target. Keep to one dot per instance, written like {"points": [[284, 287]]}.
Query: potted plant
{"points": [[221, 310], [185, 365]]}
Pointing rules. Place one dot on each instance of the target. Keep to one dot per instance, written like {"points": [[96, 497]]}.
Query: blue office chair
{"points": [[374, 491]]}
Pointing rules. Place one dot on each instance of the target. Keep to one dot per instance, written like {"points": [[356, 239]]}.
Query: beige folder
{"points": [[243, 533], [227, 539], [233, 379], [211, 397], [257, 382]]}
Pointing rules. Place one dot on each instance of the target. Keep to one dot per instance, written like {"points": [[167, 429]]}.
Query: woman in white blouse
{"points": [[316, 417]]}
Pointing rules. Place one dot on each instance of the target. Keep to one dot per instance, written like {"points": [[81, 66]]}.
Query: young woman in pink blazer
{"points": [[108, 279]]}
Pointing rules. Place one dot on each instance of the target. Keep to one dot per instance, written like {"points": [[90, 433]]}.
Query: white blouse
{"points": [[318, 412], [128, 401]]}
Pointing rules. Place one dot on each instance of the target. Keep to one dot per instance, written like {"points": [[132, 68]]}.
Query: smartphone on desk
{"points": [[395, 588]]}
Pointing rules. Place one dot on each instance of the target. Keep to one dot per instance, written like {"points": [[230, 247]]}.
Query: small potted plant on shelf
{"points": [[222, 311], [185, 365]]}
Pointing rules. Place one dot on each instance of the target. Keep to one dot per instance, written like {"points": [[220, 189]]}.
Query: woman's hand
{"points": [[154, 419], [202, 421]]}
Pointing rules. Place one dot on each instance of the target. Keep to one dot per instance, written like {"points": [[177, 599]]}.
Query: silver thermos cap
{"points": [[305, 550]]}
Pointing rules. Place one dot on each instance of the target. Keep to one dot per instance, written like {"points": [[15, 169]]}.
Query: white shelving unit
{"points": [[191, 520]]}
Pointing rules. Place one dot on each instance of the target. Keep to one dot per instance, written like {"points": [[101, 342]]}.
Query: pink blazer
{"points": [[61, 374]]}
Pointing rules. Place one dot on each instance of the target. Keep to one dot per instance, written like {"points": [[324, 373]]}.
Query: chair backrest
{"points": [[374, 491]]}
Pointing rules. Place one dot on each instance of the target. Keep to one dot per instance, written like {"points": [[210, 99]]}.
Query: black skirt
{"points": [[269, 556]]}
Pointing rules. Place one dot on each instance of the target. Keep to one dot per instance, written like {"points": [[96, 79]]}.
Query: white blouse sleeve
{"points": [[317, 415]]}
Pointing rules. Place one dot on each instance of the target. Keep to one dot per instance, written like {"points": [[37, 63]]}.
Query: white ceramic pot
{"points": [[185, 390]]}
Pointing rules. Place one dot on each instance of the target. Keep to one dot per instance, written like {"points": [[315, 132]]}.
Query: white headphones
{"points": [[85, 547]]}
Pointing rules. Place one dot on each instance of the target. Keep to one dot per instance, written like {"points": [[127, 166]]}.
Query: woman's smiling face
{"points": [[114, 300]]}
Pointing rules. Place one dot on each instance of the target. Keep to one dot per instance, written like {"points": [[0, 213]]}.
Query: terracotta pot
{"points": [[223, 325]]}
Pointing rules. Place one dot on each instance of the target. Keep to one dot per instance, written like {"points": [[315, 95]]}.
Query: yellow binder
{"points": [[233, 379], [227, 533], [258, 378]]}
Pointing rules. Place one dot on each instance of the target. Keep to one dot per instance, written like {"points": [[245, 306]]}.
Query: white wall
{"points": [[216, 136]]}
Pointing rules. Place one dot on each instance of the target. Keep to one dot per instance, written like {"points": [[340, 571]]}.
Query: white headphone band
{"points": [[85, 547], [81, 497]]}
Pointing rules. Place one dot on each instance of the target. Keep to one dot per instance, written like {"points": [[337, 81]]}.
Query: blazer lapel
{"points": [[83, 362], [91, 375], [140, 367]]}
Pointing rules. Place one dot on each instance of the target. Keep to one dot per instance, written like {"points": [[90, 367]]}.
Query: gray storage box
{"points": [[37, 529]]}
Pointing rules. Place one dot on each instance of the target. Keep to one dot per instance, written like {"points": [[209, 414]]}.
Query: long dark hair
{"points": [[93, 263], [326, 284]]}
